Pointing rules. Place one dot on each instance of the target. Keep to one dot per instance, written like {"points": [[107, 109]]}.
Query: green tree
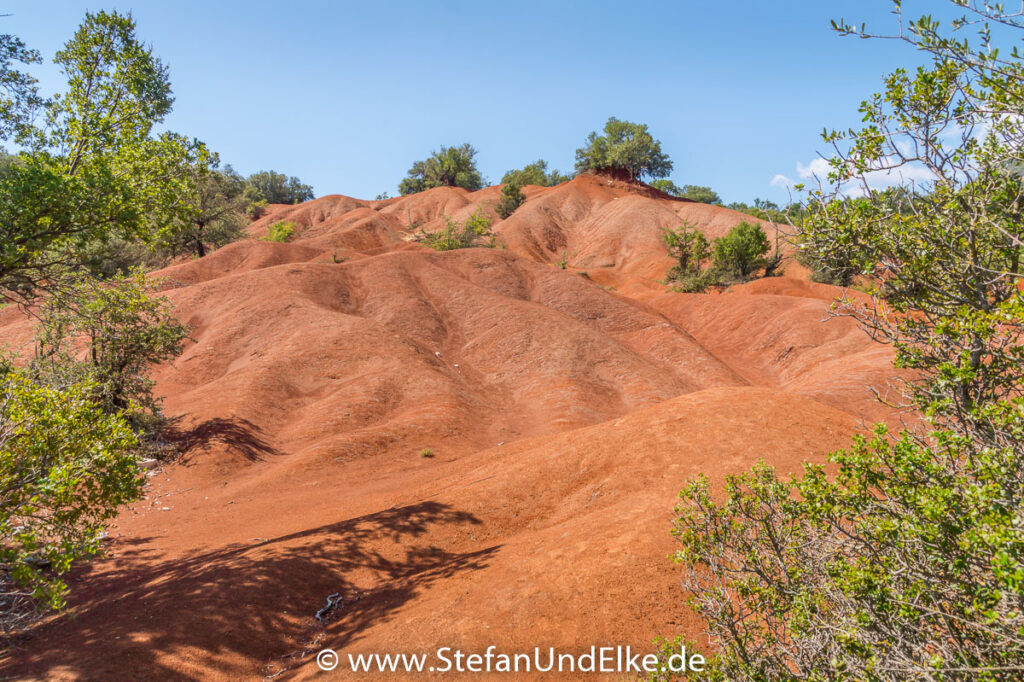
{"points": [[704, 195], [91, 168], [535, 173], [667, 186], [742, 250], [212, 212], [66, 466], [905, 561], [626, 148], [276, 188], [125, 330], [449, 167], [19, 96], [512, 197]]}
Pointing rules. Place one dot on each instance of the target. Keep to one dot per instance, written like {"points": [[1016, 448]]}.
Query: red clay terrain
{"points": [[564, 408]]}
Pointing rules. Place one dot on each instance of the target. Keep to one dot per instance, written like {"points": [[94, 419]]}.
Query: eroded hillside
{"points": [[564, 409]]}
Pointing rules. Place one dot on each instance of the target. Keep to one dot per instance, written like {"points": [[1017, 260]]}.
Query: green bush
{"points": [[281, 231], [704, 195], [125, 329], [512, 197], [695, 282], [688, 246], [742, 251], [904, 558], [474, 232], [535, 173], [66, 465]]}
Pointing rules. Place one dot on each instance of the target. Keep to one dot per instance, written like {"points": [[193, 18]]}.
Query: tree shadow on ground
{"points": [[235, 434], [241, 610]]}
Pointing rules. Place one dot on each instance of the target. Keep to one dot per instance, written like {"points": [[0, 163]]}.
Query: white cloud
{"points": [[817, 170]]}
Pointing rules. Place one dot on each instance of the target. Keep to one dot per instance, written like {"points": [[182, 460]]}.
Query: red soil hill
{"points": [[563, 417]]}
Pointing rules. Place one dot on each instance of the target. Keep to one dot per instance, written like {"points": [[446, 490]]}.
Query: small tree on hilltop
{"points": [[626, 148], [450, 167], [276, 188], [535, 173]]}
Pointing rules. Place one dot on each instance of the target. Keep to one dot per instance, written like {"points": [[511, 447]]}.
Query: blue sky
{"points": [[347, 95]]}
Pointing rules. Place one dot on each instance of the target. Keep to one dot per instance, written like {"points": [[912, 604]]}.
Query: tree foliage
{"points": [[272, 187], [689, 248], [535, 173], [211, 209], [90, 167], [449, 167], [512, 197], [122, 329], [704, 195], [908, 562], [742, 251], [65, 468], [626, 148], [19, 97], [282, 231]]}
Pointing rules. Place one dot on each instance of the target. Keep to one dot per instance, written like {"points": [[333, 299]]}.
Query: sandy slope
{"points": [[564, 418]]}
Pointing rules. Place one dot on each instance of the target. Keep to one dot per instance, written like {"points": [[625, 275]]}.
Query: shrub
{"points": [[450, 167], [535, 173], [426, 453], [742, 251], [696, 282], [124, 330], [256, 208], [704, 195], [281, 231], [65, 467], [904, 560], [688, 246], [626, 148], [474, 232], [511, 198]]}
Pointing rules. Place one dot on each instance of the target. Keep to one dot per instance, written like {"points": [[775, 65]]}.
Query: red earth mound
{"points": [[563, 407]]}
